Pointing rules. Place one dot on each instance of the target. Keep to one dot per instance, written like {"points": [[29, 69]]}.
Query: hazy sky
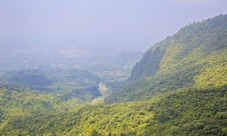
{"points": [[119, 24]]}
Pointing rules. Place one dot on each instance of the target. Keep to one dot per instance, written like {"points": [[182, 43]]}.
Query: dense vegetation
{"points": [[178, 88], [185, 112], [70, 83], [19, 100], [195, 57]]}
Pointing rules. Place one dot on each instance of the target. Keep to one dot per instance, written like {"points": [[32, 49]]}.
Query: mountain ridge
{"points": [[178, 61], [178, 88]]}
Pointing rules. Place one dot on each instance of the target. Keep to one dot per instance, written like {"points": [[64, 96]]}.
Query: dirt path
{"points": [[103, 90]]}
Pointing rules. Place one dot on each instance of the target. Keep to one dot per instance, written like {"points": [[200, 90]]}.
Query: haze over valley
{"points": [[113, 68]]}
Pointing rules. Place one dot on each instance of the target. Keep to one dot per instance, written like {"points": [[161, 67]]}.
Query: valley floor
{"points": [[103, 90]]}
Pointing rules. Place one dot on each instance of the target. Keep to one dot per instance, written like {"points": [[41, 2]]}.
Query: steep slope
{"points": [[195, 57], [178, 88]]}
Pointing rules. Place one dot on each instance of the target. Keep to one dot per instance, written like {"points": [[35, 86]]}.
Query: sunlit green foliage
{"points": [[195, 57], [125, 118], [178, 88], [190, 112], [72, 83], [19, 100], [183, 112]]}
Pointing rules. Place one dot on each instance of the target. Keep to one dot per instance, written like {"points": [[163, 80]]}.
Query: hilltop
{"points": [[195, 58], [178, 88]]}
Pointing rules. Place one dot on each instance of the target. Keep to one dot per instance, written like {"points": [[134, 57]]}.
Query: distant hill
{"points": [[179, 88], [116, 68], [69, 83], [43, 57], [195, 57]]}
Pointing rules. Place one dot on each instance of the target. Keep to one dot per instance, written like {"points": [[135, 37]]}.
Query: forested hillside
{"points": [[195, 57], [71, 83], [17, 100], [178, 88], [185, 112]]}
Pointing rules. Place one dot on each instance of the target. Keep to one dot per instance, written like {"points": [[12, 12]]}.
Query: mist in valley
{"points": [[113, 67], [42, 40], [80, 34]]}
